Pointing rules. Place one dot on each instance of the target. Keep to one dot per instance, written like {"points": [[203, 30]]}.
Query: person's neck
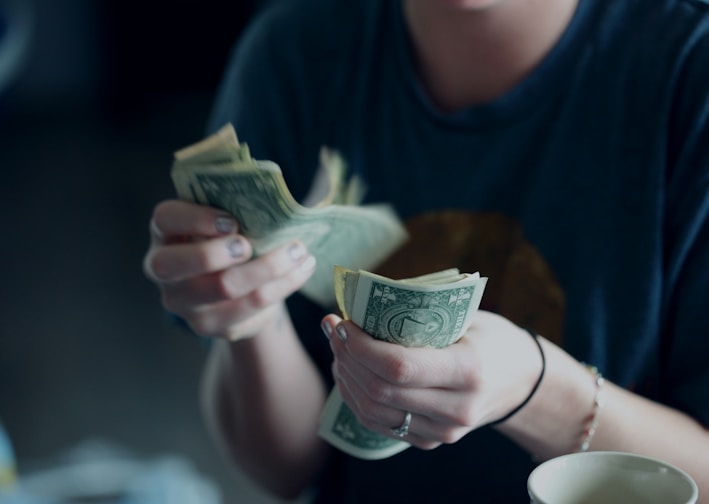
{"points": [[468, 57]]}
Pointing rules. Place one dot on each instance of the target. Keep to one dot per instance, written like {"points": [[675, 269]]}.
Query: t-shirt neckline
{"points": [[543, 83]]}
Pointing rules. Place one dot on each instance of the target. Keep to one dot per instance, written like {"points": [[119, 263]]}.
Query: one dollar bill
{"points": [[432, 310]]}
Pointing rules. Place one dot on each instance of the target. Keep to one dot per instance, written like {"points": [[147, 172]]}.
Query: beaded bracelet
{"points": [[536, 385], [591, 423]]}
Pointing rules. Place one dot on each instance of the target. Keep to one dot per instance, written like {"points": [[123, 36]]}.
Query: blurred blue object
{"points": [[16, 26], [100, 471], [8, 468]]}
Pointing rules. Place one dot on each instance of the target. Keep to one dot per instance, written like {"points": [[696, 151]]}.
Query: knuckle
{"points": [[224, 284], [378, 391], [271, 267], [463, 415], [248, 277], [449, 436], [277, 264], [400, 371], [468, 377], [252, 284], [260, 298]]}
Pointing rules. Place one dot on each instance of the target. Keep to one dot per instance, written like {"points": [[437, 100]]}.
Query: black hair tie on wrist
{"points": [[536, 385]]}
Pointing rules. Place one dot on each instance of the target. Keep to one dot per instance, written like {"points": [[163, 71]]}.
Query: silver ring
{"points": [[403, 429]]}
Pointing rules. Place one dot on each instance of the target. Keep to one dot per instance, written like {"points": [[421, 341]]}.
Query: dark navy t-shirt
{"points": [[582, 193]]}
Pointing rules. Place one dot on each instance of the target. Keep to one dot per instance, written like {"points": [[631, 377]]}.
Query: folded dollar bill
{"points": [[432, 310]]}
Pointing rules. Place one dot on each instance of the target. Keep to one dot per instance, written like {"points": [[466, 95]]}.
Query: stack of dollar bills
{"points": [[220, 172], [432, 310]]}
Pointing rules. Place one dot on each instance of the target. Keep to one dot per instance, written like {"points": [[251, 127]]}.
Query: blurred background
{"points": [[94, 98]]}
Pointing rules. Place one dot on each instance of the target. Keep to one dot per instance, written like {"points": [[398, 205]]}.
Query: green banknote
{"points": [[431, 310], [220, 172]]}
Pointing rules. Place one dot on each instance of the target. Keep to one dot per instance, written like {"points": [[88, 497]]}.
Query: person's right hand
{"points": [[207, 276]]}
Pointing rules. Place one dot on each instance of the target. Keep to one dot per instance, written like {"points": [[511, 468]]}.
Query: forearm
{"points": [[553, 422], [262, 397]]}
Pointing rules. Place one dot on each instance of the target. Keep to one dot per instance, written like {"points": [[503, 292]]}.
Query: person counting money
{"points": [[558, 147]]}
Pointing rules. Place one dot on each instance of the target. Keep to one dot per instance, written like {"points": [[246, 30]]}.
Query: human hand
{"points": [[206, 274], [449, 391]]}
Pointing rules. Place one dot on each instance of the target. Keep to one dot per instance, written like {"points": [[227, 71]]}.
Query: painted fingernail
{"points": [[296, 251], [341, 332], [236, 248], [326, 328], [224, 224]]}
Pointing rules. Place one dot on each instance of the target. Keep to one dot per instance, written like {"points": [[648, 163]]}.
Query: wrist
{"points": [[556, 419], [591, 421], [535, 387]]}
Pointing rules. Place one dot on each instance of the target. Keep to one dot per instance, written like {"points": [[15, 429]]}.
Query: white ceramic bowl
{"points": [[609, 478]]}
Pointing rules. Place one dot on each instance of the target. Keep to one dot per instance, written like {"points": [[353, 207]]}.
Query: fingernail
{"points": [[296, 251], [224, 224], [341, 332], [236, 248], [326, 327]]}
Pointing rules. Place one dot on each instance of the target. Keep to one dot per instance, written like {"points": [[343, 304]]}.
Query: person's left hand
{"points": [[449, 391]]}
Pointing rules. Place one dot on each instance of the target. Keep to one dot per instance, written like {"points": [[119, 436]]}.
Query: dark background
{"points": [[105, 93]]}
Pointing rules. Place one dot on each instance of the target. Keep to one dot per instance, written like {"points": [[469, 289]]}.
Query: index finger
{"points": [[174, 219]]}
